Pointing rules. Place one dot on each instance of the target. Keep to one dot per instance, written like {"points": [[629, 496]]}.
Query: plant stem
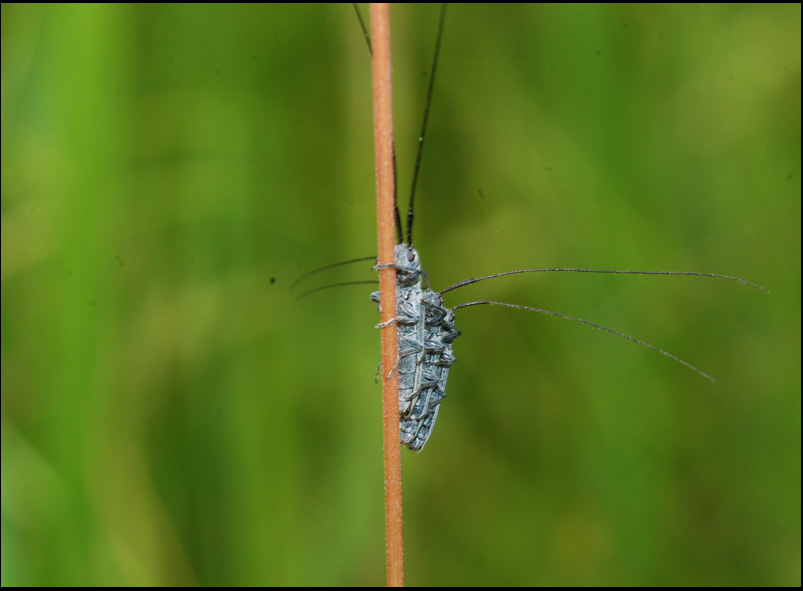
{"points": [[386, 202]]}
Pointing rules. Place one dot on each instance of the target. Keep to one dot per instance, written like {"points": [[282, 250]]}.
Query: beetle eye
{"points": [[410, 256]]}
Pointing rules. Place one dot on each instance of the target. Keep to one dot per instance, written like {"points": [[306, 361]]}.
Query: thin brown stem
{"points": [[383, 146]]}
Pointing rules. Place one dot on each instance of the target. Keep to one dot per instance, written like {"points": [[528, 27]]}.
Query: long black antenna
{"points": [[610, 271], [424, 124], [587, 323], [325, 267], [362, 26], [331, 285]]}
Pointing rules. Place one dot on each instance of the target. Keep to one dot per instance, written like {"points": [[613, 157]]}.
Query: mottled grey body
{"points": [[416, 426], [425, 334]]}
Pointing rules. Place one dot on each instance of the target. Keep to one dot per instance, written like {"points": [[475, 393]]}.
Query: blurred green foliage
{"points": [[172, 415]]}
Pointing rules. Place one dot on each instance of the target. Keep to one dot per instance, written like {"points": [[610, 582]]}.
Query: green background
{"points": [[171, 414]]}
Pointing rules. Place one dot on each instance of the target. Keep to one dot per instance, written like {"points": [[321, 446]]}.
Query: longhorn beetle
{"points": [[426, 328]]}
